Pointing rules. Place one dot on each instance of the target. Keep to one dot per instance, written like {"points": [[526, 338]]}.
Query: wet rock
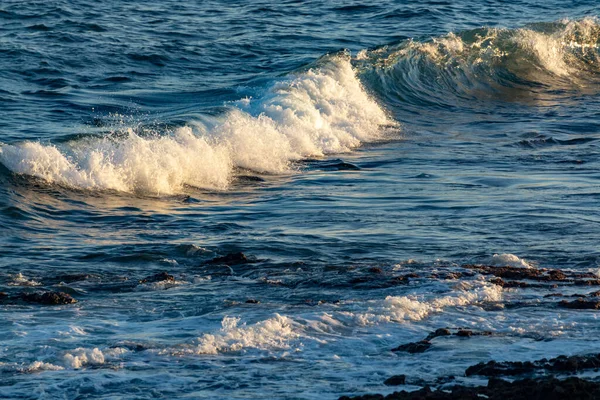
{"points": [[70, 278], [554, 295], [46, 298], [581, 304], [547, 388], [453, 275], [3, 295], [509, 284], [562, 364], [360, 279], [588, 282], [464, 333], [395, 380], [556, 275], [469, 333], [399, 280], [493, 368], [416, 347], [252, 301], [249, 178], [161, 276], [375, 270], [445, 379], [438, 332], [536, 274], [411, 275], [231, 259]]}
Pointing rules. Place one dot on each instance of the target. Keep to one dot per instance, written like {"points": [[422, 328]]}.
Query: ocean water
{"points": [[336, 144]]}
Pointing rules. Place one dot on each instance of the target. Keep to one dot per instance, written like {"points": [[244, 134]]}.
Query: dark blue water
{"points": [[328, 142]]}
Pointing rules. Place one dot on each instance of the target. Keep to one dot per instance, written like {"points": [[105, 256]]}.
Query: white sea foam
{"points": [[21, 280], [81, 357], [321, 111], [414, 308], [273, 333], [510, 260], [38, 366]]}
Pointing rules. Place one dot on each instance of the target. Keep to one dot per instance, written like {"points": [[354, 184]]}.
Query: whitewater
{"points": [[293, 200]]}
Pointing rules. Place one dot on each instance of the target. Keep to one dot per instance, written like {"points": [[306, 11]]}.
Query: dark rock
{"points": [[509, 284], [536, 274], [375, 270], [546, 388], [453, 275], [581, 304], [588, 282], [438, 332], [561, 364], [250, 178], [464, 333], [70, 278], [445, 379], [3, 295], [161, 276], [46, 298], [395, 380], [252, 301], [231, 259], [416, 347], [360, 279], [399, 280], [493, 368]]}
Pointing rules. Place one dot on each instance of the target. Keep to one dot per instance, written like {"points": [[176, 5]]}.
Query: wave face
{"points": [[325, 109], [486, 63], [321, 111]]}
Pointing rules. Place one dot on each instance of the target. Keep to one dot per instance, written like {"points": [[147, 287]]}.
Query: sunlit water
{"points": [[322, 139]]}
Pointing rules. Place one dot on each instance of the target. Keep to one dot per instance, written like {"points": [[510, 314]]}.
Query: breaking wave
{"points": [[485, 63], [320, 111]]}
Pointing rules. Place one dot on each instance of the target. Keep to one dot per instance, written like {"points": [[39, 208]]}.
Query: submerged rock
{"points": [[509, 284], [581, 304], [395, 380], [160, 277], [416, 347], [231, 259], [46, 298], [438, 332]]}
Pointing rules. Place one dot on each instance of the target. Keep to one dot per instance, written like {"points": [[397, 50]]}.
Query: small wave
{"points": [[486, 63], [411, 308], [321, 111]]}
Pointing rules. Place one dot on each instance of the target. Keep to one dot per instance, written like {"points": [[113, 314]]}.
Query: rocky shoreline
{"points": [[547, 379]]}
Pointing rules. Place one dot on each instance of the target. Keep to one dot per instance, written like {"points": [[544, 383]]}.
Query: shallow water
{"points": [[338, 145]]}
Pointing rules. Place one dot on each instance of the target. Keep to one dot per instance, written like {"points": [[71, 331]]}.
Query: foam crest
{"points": [[273, 333], [411, 308], [486, 61], [321, 111], [81, 357], [511, 260]]}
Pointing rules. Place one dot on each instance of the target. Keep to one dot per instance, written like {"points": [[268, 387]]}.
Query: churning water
{"points": [[358, 154]]}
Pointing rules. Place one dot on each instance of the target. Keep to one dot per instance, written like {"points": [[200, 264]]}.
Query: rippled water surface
{"points": [[358, 154]]}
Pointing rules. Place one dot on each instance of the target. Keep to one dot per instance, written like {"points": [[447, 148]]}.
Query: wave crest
{"points": [[320, 111], [486, 62]]}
